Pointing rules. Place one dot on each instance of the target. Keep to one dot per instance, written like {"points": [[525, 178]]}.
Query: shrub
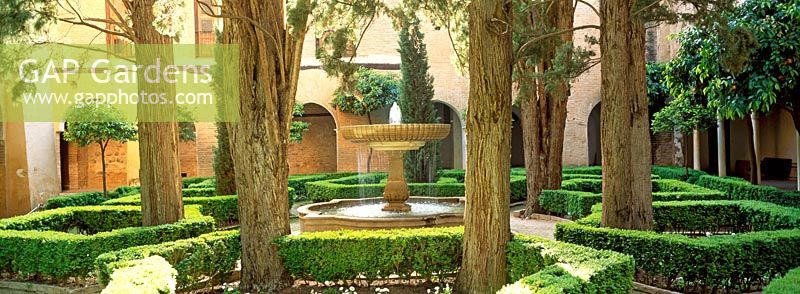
{"points": [[186, 182], [737, 189], [78, 199], [38, 244], [577, 196], [222, 208], [788, 284], [345, 255], [736, 261], [208, 183], [457, 174], [566, 177], [348, 255], [127, 190], [149, 275], [584, 170], [210, 255], [678, 173], [198, 192], [371, 185], [541, 264]]}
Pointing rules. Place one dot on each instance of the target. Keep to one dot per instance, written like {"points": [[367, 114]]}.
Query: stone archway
{"points": [[593, 136], [317, 152], [452, 148], [517, 142]]}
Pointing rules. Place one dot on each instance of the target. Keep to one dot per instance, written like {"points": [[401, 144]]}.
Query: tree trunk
{"points": [[486, 217], [627, 190], [269, 66], [103, 165], [544, 117], [753, 156], [158, 130], [224, 171]]}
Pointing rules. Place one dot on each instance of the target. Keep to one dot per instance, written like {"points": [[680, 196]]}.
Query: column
{"points": [[722, 164], [696, 149], [757, 145]]}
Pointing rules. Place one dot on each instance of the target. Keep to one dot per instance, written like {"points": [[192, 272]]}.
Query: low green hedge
{"points": [[210, 255], [583, 170], [425, 253], [538, 264], [370, 185], [150, 275], [222, 208], [198, 192], [788, 284], [738, 189], [77, 199], [298, 182], [208, 183], [39, 244], [736, 261], [677, 173], [186, 182], [577, 196]]}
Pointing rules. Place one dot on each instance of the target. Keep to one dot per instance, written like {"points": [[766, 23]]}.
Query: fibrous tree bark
{"points": [[158, 130], [627, 190], [269, 66], [486, 217], [544, 112]]}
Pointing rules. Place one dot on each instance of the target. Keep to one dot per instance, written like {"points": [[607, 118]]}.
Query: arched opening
{"points": [[316, 152], [517, 144], [451, 149], [593, 136]]}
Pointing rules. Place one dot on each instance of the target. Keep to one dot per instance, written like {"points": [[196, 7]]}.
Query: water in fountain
{"points": [[418, 208]]}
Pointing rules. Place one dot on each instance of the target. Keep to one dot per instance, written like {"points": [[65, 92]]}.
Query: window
{"points": [[204, 29]]}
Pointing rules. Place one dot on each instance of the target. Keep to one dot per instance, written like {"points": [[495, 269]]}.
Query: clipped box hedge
{"points": [[149, 275], [222, 208], [209, 255], [432, 252], [186, 182], [538, 264], [733, 262], [298, 182], [40, 244], [738, 189], [577, 196], [788, 284], [371, 185]]}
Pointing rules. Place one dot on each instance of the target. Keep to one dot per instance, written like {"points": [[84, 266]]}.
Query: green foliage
{"points": [[789, 283], [577, 196], [20, 18], [545, 266], [199, 192], [298, 182], [371, 185], [297, 128], [738, 189], [345, 255], [733, 262], [583, 170], [224, 209], [78, 199], [148, 275], [432, 252], [209, 183], [677, 173], [416, 101], [97, 125], [38, 244], [209, 255], [186, 182], [373, 90]]}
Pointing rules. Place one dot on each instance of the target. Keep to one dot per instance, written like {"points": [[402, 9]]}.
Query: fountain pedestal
{"points": [[395, 139], [396, 190]]}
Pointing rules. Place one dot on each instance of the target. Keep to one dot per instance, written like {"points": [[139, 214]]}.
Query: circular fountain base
{"points": [[368, 213]]}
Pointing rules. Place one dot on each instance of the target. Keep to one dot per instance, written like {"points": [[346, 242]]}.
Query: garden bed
{"points": [[763, 244], [38, 246]]}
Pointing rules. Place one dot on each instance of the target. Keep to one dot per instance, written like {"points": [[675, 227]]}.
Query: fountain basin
{"points": [[389, 137], [368, 213]]}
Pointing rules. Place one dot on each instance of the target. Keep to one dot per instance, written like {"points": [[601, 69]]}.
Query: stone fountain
{"points": [[395, 139]]}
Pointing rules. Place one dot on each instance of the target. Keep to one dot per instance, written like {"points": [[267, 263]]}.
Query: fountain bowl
{"points": [[395, 136], [367, 214]]}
